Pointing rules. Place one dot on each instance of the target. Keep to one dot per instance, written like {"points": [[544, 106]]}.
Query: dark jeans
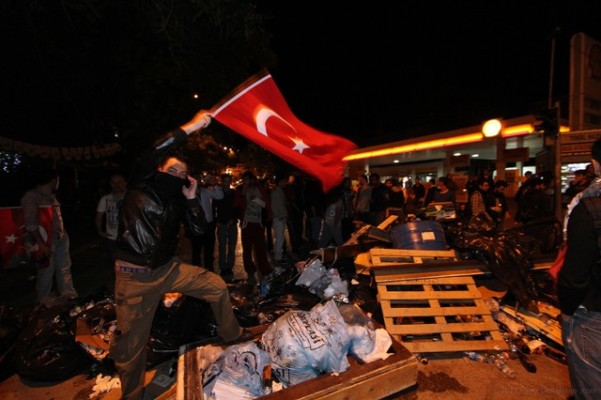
{"points": [[205, 244]]}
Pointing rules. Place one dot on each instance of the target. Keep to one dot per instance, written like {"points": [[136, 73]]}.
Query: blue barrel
{"points": [[419, 235]]}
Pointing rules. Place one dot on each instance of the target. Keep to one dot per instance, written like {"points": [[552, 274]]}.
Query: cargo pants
{"points": [[137, 296]]}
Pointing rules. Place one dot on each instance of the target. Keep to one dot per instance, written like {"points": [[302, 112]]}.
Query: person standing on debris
{"points": [[107, 212], [54, 263], [146, 267], [579, 289]]}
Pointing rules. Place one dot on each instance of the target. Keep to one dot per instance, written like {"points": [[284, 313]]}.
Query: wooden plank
{"points": [[457, 346], [383, 257], [387, 222], [357, 234], [331, 254]]}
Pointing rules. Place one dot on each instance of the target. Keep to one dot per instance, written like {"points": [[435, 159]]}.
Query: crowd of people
{"points": [[141, 225]]}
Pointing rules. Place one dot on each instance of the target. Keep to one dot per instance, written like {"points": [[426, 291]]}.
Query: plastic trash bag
{"points": [[238, 370], [304, 344], [46, 349], [509, 256], [325, 283]]}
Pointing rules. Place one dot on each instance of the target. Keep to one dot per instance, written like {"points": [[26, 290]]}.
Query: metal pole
{"points": [[557, 170], [551, 70]]}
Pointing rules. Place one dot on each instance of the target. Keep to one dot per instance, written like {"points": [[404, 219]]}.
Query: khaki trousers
{"points": [[137, 297]]}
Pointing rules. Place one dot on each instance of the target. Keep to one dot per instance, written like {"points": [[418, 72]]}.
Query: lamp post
{"points": [[491, 129]]}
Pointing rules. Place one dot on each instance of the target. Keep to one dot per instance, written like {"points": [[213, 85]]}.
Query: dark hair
{"points": [[45, 175], [178, 153], [501, 183], [482, 180], [248, 174]]}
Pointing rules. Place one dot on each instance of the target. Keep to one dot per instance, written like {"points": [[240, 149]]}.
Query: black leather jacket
{"points": [[150, 221]]}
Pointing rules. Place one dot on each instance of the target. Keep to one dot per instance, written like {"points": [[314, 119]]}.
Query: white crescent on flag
{"points": [[261, 120]]}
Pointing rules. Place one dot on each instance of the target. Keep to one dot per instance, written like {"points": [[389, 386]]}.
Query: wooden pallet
{"points": [[438, 315], [399, 264], [393, 257], [543, 323]]}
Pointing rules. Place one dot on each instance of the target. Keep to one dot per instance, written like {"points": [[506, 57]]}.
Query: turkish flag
{"points": [[258, 111], [12, 234]]}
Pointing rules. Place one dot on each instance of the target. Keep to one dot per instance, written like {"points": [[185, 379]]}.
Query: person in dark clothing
{"points": [[380, 199], [579, 289], [526, 185], [420, 191], [146, 267], [499, 211], [576, 185], [535, 203], [251, 202], [227, 228], [440, 193], [395, 192]]}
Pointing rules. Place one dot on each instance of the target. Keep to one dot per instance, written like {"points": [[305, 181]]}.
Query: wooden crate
{"points": [[438, 315], [374, 380]]}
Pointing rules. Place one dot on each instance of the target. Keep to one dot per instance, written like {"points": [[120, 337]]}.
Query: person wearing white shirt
{"points": [[207, 192]]}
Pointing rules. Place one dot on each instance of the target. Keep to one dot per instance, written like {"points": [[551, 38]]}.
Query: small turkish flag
{"points": [[12, 233], [258, 111]]}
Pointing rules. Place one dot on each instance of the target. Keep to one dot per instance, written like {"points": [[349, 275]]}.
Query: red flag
{"points": [[258, 111], [13, 245]]}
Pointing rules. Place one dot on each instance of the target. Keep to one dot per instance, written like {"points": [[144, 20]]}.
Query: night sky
{"points": [[373, 71], [382, 70]]}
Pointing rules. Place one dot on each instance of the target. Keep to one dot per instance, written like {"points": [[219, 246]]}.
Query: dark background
{"points": [[88, 73]]}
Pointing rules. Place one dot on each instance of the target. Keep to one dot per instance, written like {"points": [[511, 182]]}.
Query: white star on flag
{"points": [[299, 145], [11, 239]]}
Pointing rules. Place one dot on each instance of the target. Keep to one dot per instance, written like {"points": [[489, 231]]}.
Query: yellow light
{"points": [[431, 144], [518, 130], [491, 128]]}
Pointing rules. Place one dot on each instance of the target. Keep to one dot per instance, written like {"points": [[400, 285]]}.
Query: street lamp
{"points": [[492, 128]]}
